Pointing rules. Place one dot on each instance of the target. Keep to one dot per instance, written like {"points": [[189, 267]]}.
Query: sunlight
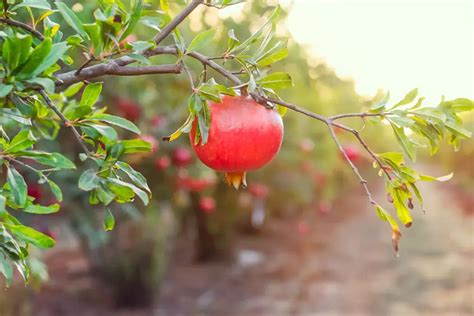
{"points": [[395, 45]]}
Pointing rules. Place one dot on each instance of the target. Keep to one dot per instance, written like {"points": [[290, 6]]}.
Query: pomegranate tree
{"points": [[243, 136]]}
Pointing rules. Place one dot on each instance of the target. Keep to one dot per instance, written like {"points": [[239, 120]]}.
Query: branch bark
{"points": [[65, 121], [23, 26]]}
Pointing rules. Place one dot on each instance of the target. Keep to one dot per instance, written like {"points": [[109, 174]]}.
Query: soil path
{"points": [[344, 266]]}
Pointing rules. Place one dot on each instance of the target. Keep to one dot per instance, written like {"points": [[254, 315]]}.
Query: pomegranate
{"points": [[34, 190], [162, 162], [352, 153], [182, 157], [207, 205], [306, 145], [243, 136], [259, 191], [128, 109]]}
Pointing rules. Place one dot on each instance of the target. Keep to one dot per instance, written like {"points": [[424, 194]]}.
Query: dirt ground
{"points": [[343, 264]]}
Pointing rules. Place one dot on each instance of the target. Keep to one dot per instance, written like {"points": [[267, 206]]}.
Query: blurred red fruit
{"points": [[195, 185], [182, 157], [207, 205], [319, 178], [303, 228], [127, 109], [152, 140], [157, 121], [306, 145], [352, 153], [162, 162], [259, 190], [34, 190], [324, 207]]}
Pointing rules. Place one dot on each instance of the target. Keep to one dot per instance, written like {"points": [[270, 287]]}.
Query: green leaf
{"points": [[57, 51], [133, 20], [140, 58], [89, 180], [115, 120], [402, 211], [404, 142], [106, 131], [141, 194], [3, 210], [32, 236], [441, 179], [136, 146], [16, 115], [385, 216], [73, 89], [58, 194], [71, 18], [134, 175], [46, 83], [109, 220], [21, 141], [40, 209], [458, 129], [91, 94], [254, 37], [95, 34], [194, 103], [5, 89], [409, 97], [276, 80], [6, 270], [396, 157], [35, 59], [38, 4], [233, 41], [432, 114], [201, 40], [268, 59], [380, 106]]}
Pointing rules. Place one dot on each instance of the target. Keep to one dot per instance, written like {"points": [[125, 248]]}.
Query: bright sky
{"points": [[392, 44]]}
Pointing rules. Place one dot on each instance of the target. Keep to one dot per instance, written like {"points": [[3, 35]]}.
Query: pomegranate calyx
{"points": [[236, 179]]}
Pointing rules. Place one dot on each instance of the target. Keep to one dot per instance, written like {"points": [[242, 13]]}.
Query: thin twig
{"points": [[190, 76], [23, 26], [363, 182], [176, 21], [361, 115], [66, 122]]}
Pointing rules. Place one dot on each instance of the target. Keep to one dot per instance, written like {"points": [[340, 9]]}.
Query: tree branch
{"points": [[363, 182], [176, 21], [23, 26], [361, 115], [66, 122]]}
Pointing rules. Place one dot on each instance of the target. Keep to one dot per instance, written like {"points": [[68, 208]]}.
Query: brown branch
{"points": [[23, 26], [176, 21], [363, 182], [361, 115], [66, 122]]}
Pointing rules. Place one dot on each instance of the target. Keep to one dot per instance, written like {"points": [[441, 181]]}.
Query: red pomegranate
{"points": [[34, 190], [352, 153], [243, 136], [207, 205], [306, 145], [162, 162], [182, 157], [128, 109], [259, 191]]}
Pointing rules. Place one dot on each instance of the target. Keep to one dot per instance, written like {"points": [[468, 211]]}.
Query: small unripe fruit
{"points": [[182, 157], [207, 205]]}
